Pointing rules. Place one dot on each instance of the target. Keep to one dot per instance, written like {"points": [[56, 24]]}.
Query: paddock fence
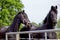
{"points": [[29, 32]]}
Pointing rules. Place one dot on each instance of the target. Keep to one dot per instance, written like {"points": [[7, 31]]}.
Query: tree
{"points": [[40, 24], [8, 9], [58, 26], [35, 24], [58, 23]]}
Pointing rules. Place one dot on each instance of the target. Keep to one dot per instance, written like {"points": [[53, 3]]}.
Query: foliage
{"points": [[58, 26], [38, 25], [58, 35], [21, 26], [8, 9]]}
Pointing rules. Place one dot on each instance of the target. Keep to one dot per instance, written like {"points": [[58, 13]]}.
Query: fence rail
{"points": [[29, 32]]}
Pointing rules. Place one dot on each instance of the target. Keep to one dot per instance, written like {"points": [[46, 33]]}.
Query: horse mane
{"points": [[46, 19], [16, 21]]}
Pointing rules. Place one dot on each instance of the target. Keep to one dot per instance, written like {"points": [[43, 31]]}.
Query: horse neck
{"points": [[14, 26], [49, 22]]}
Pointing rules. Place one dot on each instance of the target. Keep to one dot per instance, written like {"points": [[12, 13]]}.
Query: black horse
{"points": [[48, 23], [21, 17]]}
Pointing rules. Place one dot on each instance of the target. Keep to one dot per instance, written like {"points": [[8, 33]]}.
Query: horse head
{"points": [[23, 17], [53, 15]]}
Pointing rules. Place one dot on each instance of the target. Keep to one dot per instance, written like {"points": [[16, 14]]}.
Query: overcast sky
{"points": [[38, 9]]}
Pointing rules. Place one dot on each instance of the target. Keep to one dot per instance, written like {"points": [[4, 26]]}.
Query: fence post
{"points": [[29, 37], [17, 36], [45, 35], [6, 36]]}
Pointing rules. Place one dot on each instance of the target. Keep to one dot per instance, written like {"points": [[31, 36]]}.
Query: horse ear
{"points": [[23, 11], [52, 7], [56, 7]]}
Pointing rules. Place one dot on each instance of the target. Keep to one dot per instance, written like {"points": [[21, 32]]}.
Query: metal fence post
{"points": [[6, 36], [17, 36], [29, 37], [45, 35]]}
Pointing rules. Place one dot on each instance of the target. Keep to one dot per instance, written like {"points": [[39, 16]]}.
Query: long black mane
{"points": [[15, 22]]}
